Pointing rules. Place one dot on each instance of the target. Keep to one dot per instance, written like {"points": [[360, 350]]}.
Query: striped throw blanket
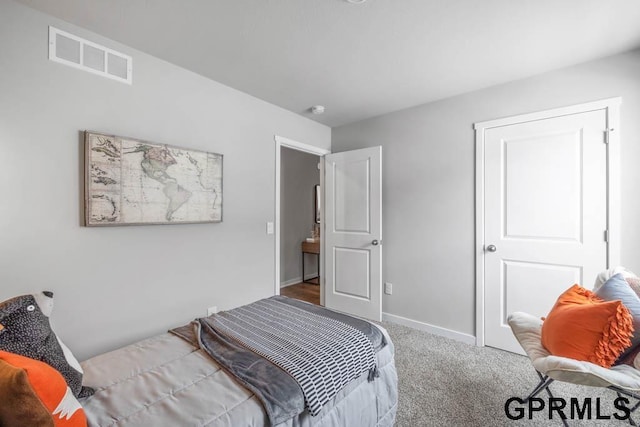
{"points": [[320, 353]]}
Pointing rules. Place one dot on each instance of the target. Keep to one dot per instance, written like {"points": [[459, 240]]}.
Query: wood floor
{"points": [[303, 291]]}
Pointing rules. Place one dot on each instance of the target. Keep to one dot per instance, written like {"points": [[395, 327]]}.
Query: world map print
{"points": [[129, 181]]}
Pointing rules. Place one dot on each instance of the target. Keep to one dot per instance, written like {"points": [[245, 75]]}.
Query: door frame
{"points": [[280, 142], [612, 108]]}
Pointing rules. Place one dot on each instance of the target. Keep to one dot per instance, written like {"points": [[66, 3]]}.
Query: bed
{"points": [[173, 380]]}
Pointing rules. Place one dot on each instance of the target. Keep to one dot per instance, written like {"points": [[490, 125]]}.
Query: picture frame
{"points": [[130, 181]]}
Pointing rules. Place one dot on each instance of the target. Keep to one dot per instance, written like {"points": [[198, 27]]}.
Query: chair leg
{"points": [[620, 393], [544, 383]]}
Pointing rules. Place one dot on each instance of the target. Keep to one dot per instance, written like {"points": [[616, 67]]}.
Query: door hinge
{"points": [[606, 236], [607, 135]]}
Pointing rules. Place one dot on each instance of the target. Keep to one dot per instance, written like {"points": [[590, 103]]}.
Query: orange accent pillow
{"points": [[582, 326], [33, 393]]}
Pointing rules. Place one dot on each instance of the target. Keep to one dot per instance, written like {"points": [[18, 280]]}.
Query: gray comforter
{"points": [[165, 381], [279, 393]]}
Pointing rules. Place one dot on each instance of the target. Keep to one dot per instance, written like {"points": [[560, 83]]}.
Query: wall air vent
{"points": [[88, 56]]}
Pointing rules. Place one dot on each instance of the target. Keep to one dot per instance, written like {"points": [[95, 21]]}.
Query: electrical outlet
{"points": [[212, 310], [388, 288]]}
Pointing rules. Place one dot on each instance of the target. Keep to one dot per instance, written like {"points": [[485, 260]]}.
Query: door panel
{"points": [[352, 188], [353, 232], [533, 285], [349, 281], [545, 213], [544, 207]]}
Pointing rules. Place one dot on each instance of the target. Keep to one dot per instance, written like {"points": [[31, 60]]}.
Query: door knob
{"points": [[491, 248], [375, 242]]}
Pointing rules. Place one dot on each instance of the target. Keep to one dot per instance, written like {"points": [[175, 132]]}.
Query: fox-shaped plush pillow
{"points": [[34, 394], [25, 330]]}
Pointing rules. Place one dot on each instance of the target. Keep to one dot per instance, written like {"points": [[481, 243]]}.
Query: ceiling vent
{"points": [[88, 56]]}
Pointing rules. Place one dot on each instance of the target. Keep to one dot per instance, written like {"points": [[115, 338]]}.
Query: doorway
{"points": [[547, 211], [298, 226], [350, 228]]}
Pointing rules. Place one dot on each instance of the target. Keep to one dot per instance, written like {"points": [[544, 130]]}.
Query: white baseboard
{"points": [[290, 282], [436, 330], [296, 280]]}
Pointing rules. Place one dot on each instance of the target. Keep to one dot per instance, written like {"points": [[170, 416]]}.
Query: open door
{"points": [[353, 232]]}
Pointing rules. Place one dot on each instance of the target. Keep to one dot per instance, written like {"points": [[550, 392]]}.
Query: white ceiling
{"points": [[361, 61]]}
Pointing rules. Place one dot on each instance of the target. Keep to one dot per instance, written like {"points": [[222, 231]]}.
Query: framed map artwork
{"points": [[129, 181]]}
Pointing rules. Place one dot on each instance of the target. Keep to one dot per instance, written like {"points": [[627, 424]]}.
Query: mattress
{"points": [[166, 381]]}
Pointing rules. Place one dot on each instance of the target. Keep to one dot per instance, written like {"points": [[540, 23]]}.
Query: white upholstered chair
{"points": [[623, 379]]}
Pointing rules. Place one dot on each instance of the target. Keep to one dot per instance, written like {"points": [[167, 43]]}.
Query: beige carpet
{"points": [[443, 382]]}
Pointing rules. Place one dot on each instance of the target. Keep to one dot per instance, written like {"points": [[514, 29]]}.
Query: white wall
{"points": [[299, 174], [429, 172], [116, 285]]}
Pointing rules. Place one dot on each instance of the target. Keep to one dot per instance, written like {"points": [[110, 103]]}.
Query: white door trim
{"points": [[311, 149], [612, 106]]}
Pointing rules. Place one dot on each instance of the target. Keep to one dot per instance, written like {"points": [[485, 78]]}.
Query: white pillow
{"points": [[607, 274]]}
